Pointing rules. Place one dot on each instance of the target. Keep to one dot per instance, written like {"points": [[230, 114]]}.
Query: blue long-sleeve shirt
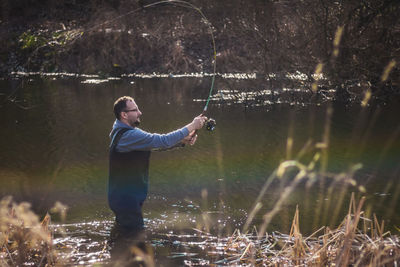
{"points": [[138, 139]]}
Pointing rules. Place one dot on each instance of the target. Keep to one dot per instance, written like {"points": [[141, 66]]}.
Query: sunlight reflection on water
{"points": [[175, 234]]}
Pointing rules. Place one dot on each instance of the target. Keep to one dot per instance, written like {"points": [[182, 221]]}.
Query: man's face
{"points": [[131, 114]]}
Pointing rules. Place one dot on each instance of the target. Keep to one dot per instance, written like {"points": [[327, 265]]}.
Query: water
{"points": [[54, 146]]}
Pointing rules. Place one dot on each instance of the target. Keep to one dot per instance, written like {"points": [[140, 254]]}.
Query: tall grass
{"points": [[357, 241], [24, 239]]}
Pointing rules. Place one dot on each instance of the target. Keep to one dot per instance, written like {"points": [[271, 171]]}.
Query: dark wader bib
{"points": [[128, 183]]}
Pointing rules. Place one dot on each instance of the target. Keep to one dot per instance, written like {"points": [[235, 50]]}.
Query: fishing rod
{"points": [[210, 123]]}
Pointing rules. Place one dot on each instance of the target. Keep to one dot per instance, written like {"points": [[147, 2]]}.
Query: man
{"points": [[129, 159]]}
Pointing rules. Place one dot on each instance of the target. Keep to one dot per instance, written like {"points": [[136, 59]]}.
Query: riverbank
{"points": [[120, 37]]}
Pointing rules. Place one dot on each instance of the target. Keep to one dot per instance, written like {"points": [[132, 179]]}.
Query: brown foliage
{"points": [[23, 238], [261, 36]]}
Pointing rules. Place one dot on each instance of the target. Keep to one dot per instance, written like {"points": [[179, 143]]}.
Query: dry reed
{"points": [[24, 239], [357, 241]]}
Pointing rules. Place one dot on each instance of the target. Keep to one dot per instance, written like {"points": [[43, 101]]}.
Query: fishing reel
{"points": [[211, 124]]}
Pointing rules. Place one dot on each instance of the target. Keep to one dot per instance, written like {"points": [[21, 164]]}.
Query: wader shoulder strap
{"points": [[116, 136]]}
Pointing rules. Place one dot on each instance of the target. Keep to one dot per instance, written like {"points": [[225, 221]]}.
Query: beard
{"points": [[134, 123]]}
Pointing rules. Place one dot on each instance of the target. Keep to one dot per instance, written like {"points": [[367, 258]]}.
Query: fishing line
{"points": [[210, 123]]}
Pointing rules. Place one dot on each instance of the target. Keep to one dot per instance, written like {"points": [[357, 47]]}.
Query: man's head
{"points": [[126, 110]]}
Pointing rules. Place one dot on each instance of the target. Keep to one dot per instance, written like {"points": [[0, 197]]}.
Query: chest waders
{"points": [[128, 183]]}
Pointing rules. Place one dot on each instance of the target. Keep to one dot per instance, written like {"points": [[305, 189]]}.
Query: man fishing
{"points": [[129, 159]]}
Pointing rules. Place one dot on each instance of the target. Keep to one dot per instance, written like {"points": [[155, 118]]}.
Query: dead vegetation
{"points": [[24, 239], [119, 36], [357, 241]]}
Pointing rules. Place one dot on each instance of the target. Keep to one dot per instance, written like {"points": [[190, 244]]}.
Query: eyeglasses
{"points": [[130, 110]]}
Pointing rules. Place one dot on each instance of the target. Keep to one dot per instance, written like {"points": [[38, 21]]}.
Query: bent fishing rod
{"points": [[210, 123]]}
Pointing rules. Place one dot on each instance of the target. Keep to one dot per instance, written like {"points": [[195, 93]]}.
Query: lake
{"points": [[54, 147]]}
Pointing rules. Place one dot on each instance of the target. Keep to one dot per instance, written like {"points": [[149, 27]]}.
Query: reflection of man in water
{"points": [[129, 160]]}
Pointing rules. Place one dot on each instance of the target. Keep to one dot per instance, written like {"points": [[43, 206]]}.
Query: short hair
{"points": [[120, 105]]}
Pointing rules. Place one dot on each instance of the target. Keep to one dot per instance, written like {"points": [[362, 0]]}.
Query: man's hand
{"points": [[197, 123], [190, 139]]}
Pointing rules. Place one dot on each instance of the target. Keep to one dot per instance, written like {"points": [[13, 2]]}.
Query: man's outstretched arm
{"points": [[138, 139]]}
